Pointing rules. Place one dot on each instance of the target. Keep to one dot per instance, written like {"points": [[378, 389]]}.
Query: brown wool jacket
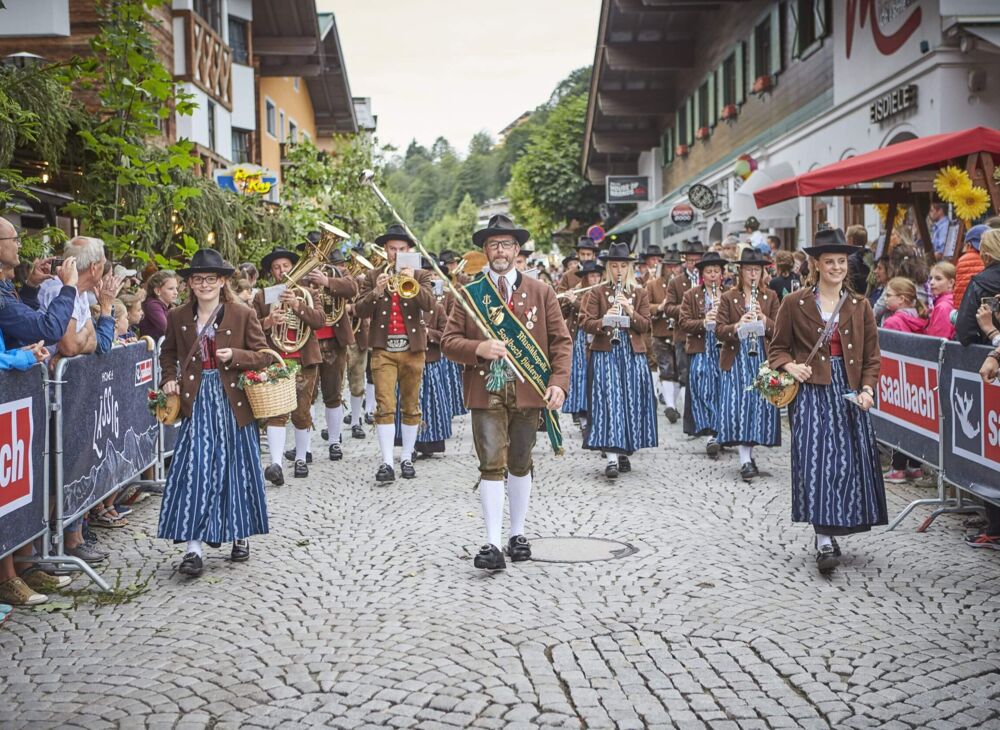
{"points": [[377, 308], [436, 322], [799, 324], [533, 301], [678, 287], [692, 320], [239, 330], [313, 316], [731, 308], [344, 287], [597, 304], [657, 290]]}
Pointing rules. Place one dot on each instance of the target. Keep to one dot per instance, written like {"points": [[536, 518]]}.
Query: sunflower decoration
{"points": [[950, 181], [971, 202], [883, 212]]}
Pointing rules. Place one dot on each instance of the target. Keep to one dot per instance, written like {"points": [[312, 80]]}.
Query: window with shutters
{"points": [[764, 50], [704, 117], [682, 127], [667, 147], [811, 21]]}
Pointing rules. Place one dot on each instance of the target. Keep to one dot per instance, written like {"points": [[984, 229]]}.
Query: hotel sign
{"points": [[627, 188], [892, 103]]}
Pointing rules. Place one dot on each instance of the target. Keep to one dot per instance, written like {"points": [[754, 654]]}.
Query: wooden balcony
{"points": [[208, 60]]}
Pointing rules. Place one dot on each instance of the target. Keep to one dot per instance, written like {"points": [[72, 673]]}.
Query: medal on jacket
{"points": [[530, 317]]}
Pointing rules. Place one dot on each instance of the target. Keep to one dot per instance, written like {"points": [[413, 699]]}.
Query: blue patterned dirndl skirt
{"points": [[453, 382], [744, 417], [836, 474], [435, 403], [576, 399], [704, 376], [215, 486], [620, 401]]}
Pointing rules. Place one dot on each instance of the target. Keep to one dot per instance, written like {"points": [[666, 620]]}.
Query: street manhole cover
{"points": [[578, 549]]}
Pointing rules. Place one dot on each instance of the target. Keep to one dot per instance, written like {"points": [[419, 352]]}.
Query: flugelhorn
{"points": [[367, 177], [290, 333]]}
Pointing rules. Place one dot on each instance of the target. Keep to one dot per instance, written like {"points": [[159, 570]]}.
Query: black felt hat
{"points": [[590, 267], [571, 257], [278, 253], [498, 225], [395, 232], [752, 257], [207, 261], [829, 240], [653, 250], [691, 246], [711, 258], [586, 242], [618, 252]]}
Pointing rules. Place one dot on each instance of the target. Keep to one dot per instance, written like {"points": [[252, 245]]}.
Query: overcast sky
{"points": [[453, 67]]}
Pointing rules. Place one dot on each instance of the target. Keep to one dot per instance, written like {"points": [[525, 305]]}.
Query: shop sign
{"points": [[892, 103], [246, 179], [682, 214], [627, 188]]}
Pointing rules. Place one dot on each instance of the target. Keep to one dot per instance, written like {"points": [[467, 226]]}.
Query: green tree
{"points": [[454, 230]]}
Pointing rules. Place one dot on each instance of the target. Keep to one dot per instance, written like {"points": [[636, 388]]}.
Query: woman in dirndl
{"points": [[743, 324], [451, 371], [571, 302], [620, 400], [699, 309], [435, 394], [215, 487], [837, 483]]}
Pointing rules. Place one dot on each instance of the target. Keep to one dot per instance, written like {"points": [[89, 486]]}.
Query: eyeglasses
{"points": [[16, 239], [208, 279], [497, 245]]}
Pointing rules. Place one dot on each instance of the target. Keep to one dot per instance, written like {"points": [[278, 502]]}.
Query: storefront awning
{"points": [[780, 215], [642, 218], [933, 151]]}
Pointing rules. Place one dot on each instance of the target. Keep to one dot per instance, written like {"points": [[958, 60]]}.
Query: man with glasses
{"points": [[398, 338], [505, 419]]}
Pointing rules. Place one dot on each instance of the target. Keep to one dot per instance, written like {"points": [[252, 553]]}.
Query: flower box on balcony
{"points": [[729, 113], [682, 150], [762, 85], [702, 133]]}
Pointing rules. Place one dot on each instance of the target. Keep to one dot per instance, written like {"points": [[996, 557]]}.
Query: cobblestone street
{"points": [[362, 608]]}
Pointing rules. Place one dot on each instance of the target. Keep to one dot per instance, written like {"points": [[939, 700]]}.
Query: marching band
{"points": [[421, 339]]}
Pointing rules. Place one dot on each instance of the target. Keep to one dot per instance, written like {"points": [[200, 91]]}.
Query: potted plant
{"points": [[762, 85], [681, 151], [729, 113], [702, 133]]}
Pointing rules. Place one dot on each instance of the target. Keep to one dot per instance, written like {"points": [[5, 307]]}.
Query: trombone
{"points": [[368, 178]]}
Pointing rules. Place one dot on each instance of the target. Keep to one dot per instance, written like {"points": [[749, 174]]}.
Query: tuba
{"points": [[290, 333]]}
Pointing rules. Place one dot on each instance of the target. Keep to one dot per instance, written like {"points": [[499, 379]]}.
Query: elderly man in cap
{"points": [[506, 412], [398, 338]]}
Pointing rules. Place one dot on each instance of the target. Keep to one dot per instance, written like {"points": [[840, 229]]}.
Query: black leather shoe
{"points": [[347, 419], [611, 471], [747, 472], [753, 465], [274, 475], [624, 465], [191, 565], [240, 552], [324, 434], [385, 474], [406, 469], [369, 419], [836, 547], [518, 548], [357, 431], [671, 414], [336, 453], [712, 448], [301, 470], [490, 558], [290, 454], [826, 559]]}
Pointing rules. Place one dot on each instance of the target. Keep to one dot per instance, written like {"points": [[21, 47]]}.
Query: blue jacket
{"points": [[21, 325], [15, 359]]}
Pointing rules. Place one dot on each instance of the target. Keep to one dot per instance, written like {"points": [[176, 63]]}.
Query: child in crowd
{"points": [[244, 291], [133, 305], [123, 333], [942, 285]]}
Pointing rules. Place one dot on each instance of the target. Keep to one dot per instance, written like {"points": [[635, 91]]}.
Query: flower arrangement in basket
{"points": [[777, 387], [271, 391], [165, 408]]}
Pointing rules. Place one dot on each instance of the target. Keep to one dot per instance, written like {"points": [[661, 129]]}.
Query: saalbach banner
{"points": [[22, 457], [971, 422], [108, 434], [907, 410]]}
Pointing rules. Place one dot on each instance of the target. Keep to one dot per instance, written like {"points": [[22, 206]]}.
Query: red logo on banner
{"points": [[907, 393], [16, 479], [144, 372], [887, 44]]}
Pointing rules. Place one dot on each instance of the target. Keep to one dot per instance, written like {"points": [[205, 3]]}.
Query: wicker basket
{"points": [[785, 396], [273, 398]]}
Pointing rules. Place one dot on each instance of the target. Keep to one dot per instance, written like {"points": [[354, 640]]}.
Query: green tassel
{"points": [[497, 378]]}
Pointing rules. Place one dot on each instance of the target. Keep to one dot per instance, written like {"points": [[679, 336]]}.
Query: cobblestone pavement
{"points": [[362, 608]]}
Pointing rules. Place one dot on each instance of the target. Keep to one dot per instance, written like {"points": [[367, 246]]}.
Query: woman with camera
{"points": [[825, 337]]}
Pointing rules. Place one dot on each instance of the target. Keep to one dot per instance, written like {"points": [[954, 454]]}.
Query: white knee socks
{"points": [[386, 440], [518, 494], [669, 393], [356, 401], [409, 440], [276, 443], [369, 398], [613, 459], [746, 453], [194, 546], [822, 540], [491, 497], [334, 419], [301, 443]]}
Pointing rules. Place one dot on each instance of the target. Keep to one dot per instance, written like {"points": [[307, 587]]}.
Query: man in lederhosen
{"points": [[691, 252], [277, 264], [505, 422], [398, 338]]}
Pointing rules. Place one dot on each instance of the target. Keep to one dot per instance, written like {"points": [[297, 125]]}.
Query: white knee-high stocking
{"points": [[491, 497], [276, 443], [518, 494]]}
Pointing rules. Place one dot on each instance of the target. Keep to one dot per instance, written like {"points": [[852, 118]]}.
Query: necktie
{"points": [[502, 287]]}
